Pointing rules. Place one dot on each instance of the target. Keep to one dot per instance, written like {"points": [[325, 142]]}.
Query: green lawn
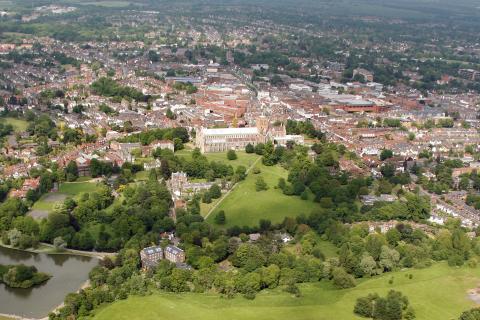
{"points": [[141, 176], [71, 189], [438, 292], [19, 125], [75, 188], [243, 158], [245, 206]]}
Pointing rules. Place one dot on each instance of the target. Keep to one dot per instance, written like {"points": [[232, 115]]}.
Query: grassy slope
{"points": [[438, 292], [245, 206]]}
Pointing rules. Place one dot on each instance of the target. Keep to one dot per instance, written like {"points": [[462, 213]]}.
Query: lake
{"points": [[69, 273]]}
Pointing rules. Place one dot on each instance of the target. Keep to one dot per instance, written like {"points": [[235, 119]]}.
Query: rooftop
{"points": [[224, 131]]}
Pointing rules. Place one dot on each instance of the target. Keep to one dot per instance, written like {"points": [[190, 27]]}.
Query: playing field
{"points": [[19, 125], [47, 202], [245, 206], [438, 292]]}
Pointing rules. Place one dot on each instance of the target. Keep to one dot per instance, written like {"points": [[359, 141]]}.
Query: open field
{"points": [[47, 202], [75, 188], [245, 206], [243, 158], [438, 292], [19, 125]]}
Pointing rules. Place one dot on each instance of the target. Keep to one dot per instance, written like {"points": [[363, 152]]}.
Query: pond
{"points": [[69, 273]]}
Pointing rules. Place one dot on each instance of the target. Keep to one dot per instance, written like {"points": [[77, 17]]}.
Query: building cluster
{"points": [[220, 140], [151, 256], [226, 104]]}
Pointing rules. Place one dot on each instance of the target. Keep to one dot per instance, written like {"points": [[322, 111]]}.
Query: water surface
{"points": [[68, 272]]}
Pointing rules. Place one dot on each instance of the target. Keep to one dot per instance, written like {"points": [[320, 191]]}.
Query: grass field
{"points": [[68, 189], [245, 206], [438, 292], [19, 125], [75, 188]]}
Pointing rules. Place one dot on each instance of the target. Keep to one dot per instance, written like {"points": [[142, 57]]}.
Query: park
{"points": [[438, 292], [244, 206]]}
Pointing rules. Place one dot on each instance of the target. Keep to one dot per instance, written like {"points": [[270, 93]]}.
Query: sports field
{"points": [[47, 202], [19, 125], [438, 292]]}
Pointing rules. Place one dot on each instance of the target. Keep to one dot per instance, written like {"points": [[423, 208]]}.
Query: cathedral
{"points": [[224, 139]]}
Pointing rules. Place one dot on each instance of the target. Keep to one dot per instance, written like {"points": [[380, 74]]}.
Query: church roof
{"points": [[228, 131]]}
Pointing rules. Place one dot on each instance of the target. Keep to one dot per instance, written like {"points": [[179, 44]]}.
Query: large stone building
{"points": [[180, 187], [174, 254], [219, 140], [151, 256]]}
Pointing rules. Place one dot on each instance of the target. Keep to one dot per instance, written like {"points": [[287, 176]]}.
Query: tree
{"points": [[241, 172], [341, 279], [269, 156], [270, 276], [259, 148], [71, 171], [14, 236], [249, 148], [207, 198], [165, 169], [394, 306], [178, 144], [260, 184], [472, 314], [59, 243], [389, 258], [249, 284], [170, 114], [249, 257], [365, 305], [220, 217], [368, 266], [215, 191], [387, 170], [374, 243], [231, 155], [265, 224]]}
